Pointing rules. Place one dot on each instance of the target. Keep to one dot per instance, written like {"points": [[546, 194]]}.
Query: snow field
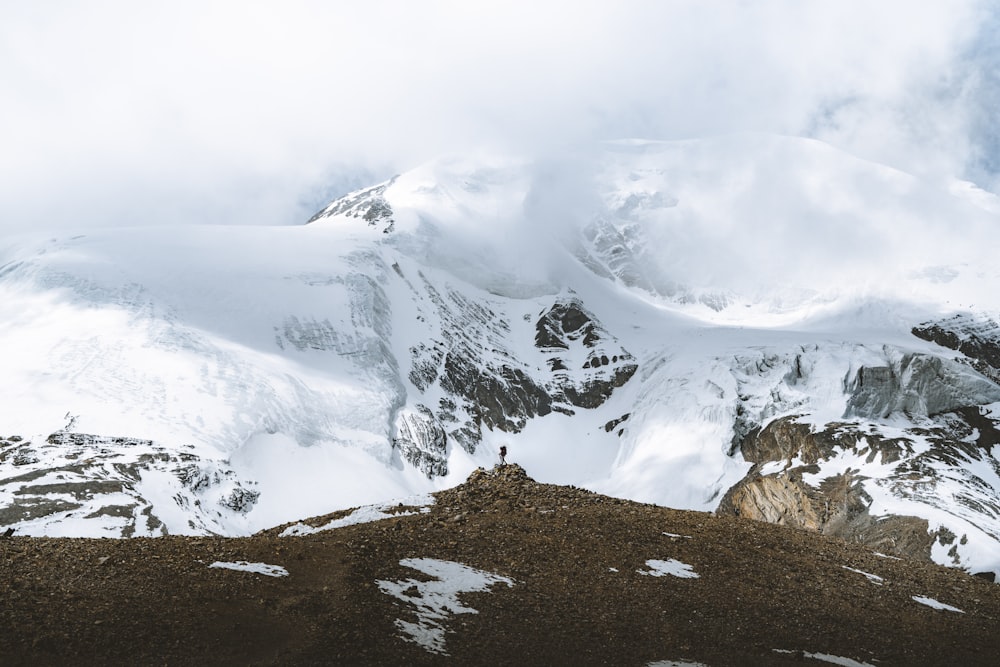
{"points": [[283, 354]]}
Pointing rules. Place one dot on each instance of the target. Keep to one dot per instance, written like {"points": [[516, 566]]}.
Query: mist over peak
{"points": [[748, 220]]}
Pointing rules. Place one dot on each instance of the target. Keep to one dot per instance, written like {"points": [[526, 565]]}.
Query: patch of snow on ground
{"points": [[826, 657], [686, 537], [676, 663], [258, 568], [366, 514], [436, 599], [874, 578], [934, 604], [661, 568]]}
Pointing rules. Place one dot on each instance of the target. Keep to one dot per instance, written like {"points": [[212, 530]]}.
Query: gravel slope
{"points": [[582, 592]]}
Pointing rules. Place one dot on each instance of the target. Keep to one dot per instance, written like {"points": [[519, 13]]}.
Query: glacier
{"points": [[627, 319]]}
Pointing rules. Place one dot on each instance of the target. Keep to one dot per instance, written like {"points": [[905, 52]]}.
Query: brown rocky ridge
{"points": [[552, 575]]}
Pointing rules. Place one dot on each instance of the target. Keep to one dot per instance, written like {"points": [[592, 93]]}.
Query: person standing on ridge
{"points": [[503, 455]]}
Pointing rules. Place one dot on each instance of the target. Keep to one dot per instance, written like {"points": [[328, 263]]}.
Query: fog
{"points": [[123, 113]]}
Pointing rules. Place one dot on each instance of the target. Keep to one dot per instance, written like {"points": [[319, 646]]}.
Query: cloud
{"points": [[247, 112]]}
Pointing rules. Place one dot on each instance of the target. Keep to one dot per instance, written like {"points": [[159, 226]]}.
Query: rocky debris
{"points": [[765, 595], [799, 494]]}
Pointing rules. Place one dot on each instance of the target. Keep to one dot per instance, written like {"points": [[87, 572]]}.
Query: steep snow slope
{"points": [[626, 319]]}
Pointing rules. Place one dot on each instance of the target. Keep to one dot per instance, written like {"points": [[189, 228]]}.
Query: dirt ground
{"points": [[764, 594]]}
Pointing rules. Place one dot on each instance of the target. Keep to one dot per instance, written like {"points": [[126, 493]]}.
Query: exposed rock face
{"points": [[795, 482], [75, 475], [467, 363], [586, 362], [917, 385], [471, 366], [422, 441], [978, 338]]}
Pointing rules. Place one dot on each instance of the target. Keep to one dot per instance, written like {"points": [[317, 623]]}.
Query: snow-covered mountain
{"points": [[759, 325]]}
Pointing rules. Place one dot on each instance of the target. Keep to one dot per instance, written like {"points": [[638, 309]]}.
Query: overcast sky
{"points": [[120, 113]]}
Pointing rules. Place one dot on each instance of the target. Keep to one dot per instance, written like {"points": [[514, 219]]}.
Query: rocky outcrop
{"points": [[468, 360], [472, 361], [977, 337], [587, 363], [838, 507], [422, 441], [794, 483], [917, 385], [70, 475]]}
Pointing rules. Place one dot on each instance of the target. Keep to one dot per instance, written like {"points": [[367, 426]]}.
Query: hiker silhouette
{"points": [[503, 455]]}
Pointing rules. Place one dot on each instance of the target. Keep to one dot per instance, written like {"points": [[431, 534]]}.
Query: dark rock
{"points": [[567, 324], [241, 500], [918, 385], [977, 337], [422, 441]]}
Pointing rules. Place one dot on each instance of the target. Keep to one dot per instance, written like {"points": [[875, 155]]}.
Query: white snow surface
{"points": [[435, 600], [257, 568], [366, 514], [873, 578], [278, 359], [672, 567], [934, 604], [832, 659]]}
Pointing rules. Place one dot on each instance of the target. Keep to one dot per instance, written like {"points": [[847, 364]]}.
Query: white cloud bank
{"points": [[124, 113]]}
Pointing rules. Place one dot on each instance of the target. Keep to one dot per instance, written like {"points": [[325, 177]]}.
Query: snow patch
{"points": [[435, 600], [826, 657], [258, 568], [366, 514], [675, 568], [874, 578], [934, 604]]}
